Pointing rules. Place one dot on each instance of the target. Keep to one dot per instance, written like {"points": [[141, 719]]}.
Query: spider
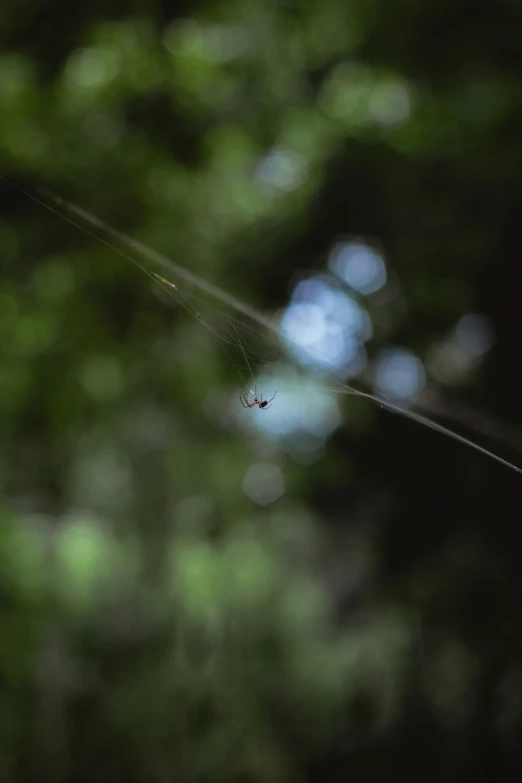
{"points": [[262, 403]]}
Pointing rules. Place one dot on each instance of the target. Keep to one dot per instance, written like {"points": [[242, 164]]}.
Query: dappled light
{"points": [[326, 328], [398, 374], [283, 170], [301, 406], [474, 334], [357, 265], [462, 351], [264, 483]]}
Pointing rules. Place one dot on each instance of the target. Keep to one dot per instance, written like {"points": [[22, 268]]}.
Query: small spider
{"points": [[262, 403]]}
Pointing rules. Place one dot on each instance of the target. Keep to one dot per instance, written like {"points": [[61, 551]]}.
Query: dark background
{"points": [[157, 623]]}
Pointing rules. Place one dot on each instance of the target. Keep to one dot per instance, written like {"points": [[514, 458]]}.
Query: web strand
{"points": [[170, 267]]}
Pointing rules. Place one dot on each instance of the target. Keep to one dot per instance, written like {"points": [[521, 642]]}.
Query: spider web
{"points": [[252, 341]]}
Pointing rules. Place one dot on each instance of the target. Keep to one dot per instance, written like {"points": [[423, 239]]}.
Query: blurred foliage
{"points": [[156, 623]]}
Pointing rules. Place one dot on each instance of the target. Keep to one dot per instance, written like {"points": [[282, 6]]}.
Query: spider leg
{"points": [[244, 401], [266, 406]]}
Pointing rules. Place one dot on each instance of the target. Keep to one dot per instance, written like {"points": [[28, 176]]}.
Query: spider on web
{"points": [[262, 403]]}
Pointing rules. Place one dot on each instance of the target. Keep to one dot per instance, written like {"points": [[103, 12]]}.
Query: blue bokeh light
{"points": [[399, 374], [358, 265], [475, 334], [302, 406], [325, 328], [282, 169]]}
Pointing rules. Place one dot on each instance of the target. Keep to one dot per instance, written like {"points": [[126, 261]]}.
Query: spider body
{"points": [[262, 403]]}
